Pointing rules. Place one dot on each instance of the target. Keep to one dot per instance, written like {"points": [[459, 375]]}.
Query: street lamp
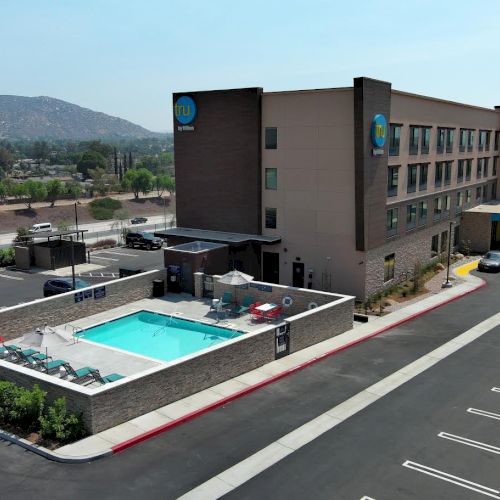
{"points": [[164, 214], [448, 283], [76, 222]]}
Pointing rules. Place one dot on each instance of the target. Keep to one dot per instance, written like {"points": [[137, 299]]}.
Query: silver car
{"points": [[490, 262]]}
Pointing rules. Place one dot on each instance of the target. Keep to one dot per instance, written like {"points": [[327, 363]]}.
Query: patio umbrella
{"points": [[235, 278], [45, 338]]}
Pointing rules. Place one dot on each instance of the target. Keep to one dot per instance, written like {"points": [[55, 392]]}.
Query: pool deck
{"points": [[108, 359]]}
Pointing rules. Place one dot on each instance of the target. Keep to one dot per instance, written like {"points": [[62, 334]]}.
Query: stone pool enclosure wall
{"points": [[110, 405]]}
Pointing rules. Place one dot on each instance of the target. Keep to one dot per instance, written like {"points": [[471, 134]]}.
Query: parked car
{"points": [[43, 227], [139, 220], [490, 262], [61, 285], [143, 240]]}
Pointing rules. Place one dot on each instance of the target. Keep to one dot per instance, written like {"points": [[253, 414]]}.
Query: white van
{"points": [[44, 227]]}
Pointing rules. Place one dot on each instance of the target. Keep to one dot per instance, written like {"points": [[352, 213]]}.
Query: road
{"points": [[105, 229], [362, 457]]}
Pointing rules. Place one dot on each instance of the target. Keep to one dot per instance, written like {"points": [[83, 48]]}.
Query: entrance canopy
{"points": [[218, 236]]}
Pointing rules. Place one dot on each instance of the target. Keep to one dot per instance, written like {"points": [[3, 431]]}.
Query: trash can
{"points": [[158, 288]]}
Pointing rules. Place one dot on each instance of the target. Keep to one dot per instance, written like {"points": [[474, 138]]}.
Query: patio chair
{"points": [[273, 314], [12, 349], [246, 303], [50, 367], [30, 356], [80, 375], [227, 299], [107, 379]]}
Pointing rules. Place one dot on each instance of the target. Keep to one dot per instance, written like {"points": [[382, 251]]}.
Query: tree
{"points": [[3, 191], [74, 189], [40, 150], [101, 180], [90, 160], [31, 192], [55, 188], [5, 157], [163, 183], [115, 161], [100, 147], [138, 180]]}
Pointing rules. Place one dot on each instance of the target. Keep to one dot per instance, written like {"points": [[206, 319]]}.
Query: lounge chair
{"points": [[29, 356], [80, 375], [51, 367], [227, 299], [245, 305], [112, 377], [12, 349]]}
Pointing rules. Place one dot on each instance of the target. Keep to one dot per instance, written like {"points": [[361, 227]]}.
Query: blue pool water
{"points": [[157, 335]]}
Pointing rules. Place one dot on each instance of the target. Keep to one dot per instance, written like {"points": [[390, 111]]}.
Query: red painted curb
{"points": [[247, 390]]}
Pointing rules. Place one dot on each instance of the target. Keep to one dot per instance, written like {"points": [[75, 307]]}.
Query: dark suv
{"points": [[144, 240], [62, 285]]}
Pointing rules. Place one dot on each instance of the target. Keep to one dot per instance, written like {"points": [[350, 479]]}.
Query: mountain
{"points": [[48, 118]]}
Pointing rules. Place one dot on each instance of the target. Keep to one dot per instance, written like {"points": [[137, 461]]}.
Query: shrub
{"points": [[103, 243], [58, 424], [20, 406], [7, 257], [104, 208]]}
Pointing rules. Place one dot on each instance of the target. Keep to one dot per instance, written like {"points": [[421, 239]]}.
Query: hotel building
{"points": [[341, 189]]}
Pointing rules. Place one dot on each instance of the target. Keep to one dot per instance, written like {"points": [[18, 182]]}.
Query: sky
{"points": [[126, 57]]}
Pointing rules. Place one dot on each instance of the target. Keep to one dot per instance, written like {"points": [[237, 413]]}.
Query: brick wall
{"points": [[17, 320], [476, 227]]}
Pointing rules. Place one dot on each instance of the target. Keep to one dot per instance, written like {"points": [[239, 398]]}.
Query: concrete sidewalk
{"points": [[146, 426]]}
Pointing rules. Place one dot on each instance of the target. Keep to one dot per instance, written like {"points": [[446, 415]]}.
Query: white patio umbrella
{"points": [[235, 278], [45, 338]]}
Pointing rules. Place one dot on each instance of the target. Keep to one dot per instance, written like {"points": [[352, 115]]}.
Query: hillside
{"points": [[48, 118]]}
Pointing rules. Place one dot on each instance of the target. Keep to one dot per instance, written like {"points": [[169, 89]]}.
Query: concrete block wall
{"points": [[17, 320], [476, 227], [198, 284]]}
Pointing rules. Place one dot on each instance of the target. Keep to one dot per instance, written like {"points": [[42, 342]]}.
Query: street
{"points": [[393, 449]]}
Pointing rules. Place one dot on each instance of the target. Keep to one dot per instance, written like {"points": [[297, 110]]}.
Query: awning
{"points": [[218, 236]]}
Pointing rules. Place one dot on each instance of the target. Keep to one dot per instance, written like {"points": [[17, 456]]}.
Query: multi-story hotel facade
{"points": [[341, 189]]}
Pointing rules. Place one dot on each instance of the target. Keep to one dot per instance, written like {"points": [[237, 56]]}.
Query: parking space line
{"points": [[484, 413], [10, 277], [470, 442], [119, 253], [103, 258], [444, 476], [495, 389], [367, 498]]}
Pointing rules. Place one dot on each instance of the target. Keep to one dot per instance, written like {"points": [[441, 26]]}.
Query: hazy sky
{"points": [[126, 57]]}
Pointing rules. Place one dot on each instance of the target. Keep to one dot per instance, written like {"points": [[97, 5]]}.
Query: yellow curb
{"points": [[466, 268]]}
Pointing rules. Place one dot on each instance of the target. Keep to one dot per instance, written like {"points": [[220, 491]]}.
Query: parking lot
{"points": [[17, 286]]}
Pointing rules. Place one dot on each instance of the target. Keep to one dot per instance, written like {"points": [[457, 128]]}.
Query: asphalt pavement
{"points": [[362, 457]]}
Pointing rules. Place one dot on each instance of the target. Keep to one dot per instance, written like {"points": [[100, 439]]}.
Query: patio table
{"points": [[265, 308]]}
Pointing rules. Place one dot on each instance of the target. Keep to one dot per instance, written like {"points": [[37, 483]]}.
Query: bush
{"points": [[20, 406], [58, 424], [7, 257], [104, 208], [107, 242]]}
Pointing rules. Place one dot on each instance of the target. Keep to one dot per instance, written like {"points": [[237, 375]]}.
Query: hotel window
{"points": [[411, 216], [479, 168], [389, 262], [447, 172], [460, 171], [414, 131], [394, 139], [468, 195], [422, 213], [470, 140], [485, 192], [271, 138], [444, 241], [438, 208], [495, 160], [487, 143], [485, 167], [434, 245], [497, 139], [411, 185], [426, 139], [478, 194], [456, 236], [392, 221], [424, 172], [462, 140], [446, 205], [271, 178], [494, 191], [450, 134], [392, 181], [458, 207], [271, 218], [482, 140], [441, 134], [438, 174], [468, 169]]}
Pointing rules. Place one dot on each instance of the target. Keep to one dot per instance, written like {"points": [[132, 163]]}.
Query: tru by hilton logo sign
{"points": [[185, 113], [379, 134]]}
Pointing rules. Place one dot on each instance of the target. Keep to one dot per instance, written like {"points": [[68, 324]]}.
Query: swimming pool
{"points": [[157, 335]]}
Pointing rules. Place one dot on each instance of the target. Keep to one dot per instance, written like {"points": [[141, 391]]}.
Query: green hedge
{"points": [[25, 410], [104, 208], [7, 257]]}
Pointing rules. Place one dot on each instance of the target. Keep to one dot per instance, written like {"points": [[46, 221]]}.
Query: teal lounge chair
{"points": [[112, 377], [248, 300], [51, 367], [227, 299], [80, 375], [13, 349], [30, 356]]}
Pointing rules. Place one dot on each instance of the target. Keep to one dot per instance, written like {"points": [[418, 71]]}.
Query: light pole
{"points": [[164, 215], [76, 222], [73, 262], [448, 283]]}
